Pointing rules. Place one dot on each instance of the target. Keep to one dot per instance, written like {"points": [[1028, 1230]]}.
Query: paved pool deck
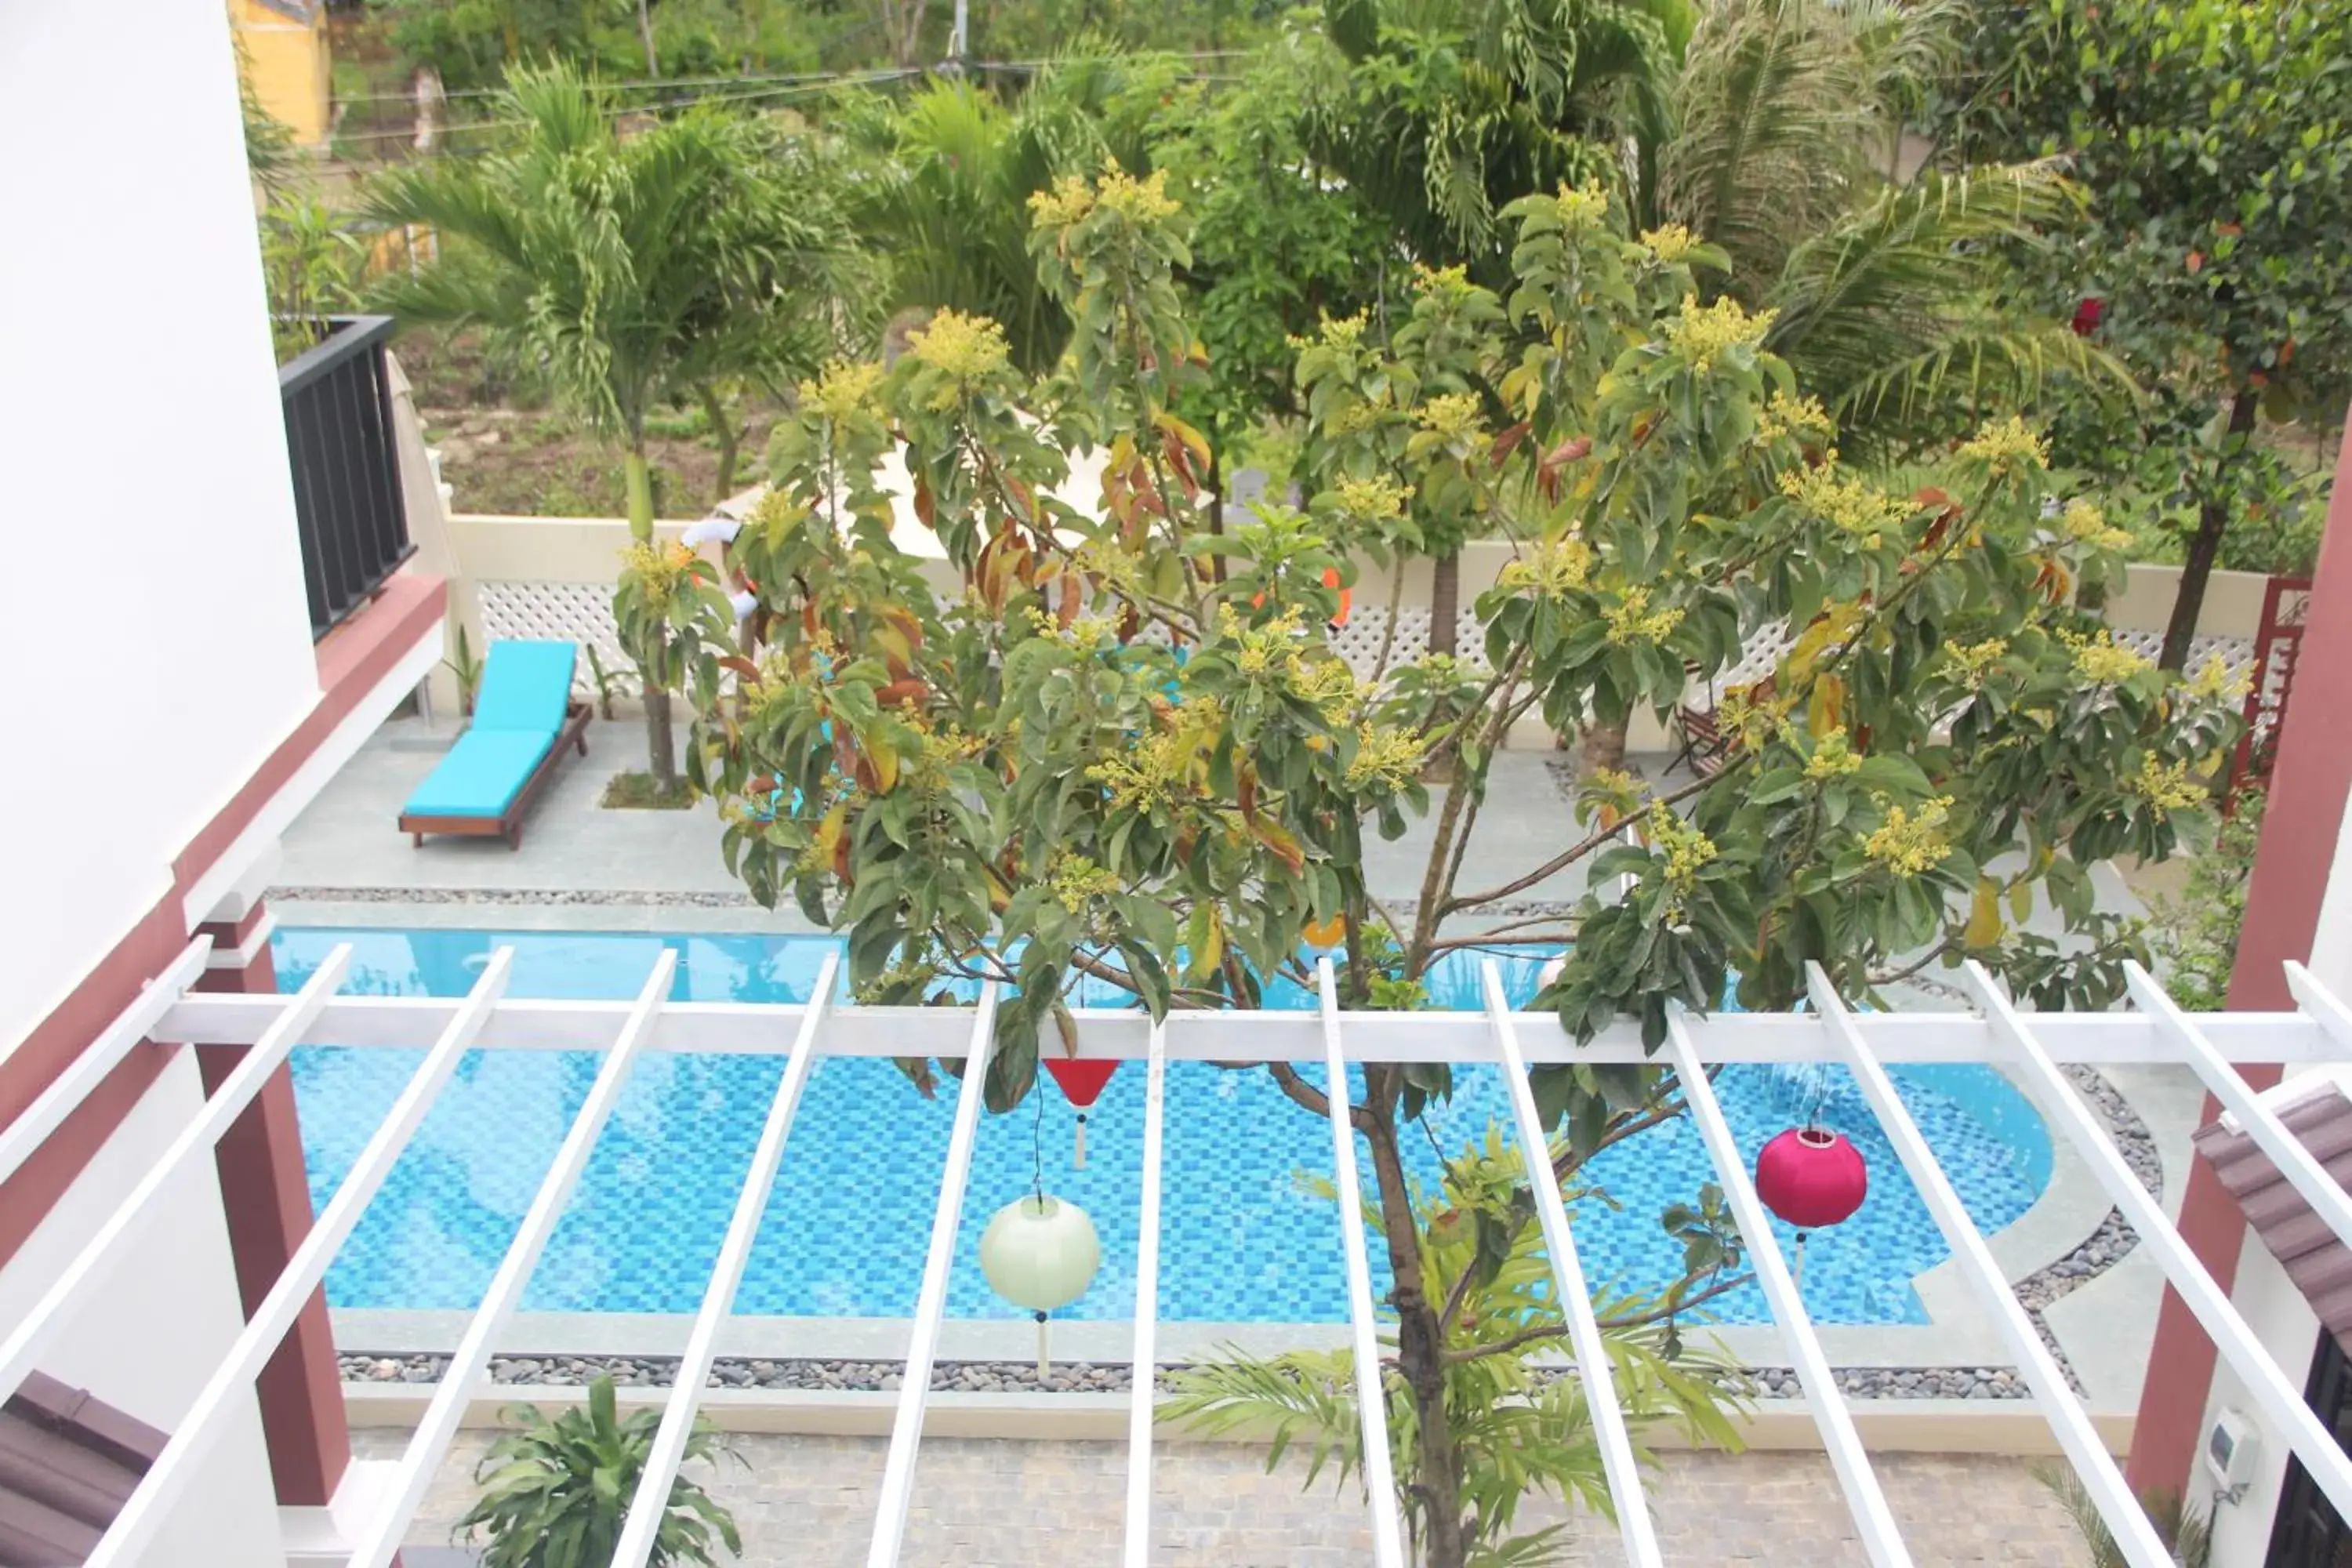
{"points": [[809, 1501], [662, 871]]}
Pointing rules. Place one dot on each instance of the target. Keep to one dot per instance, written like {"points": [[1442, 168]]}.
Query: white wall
{"points": [[2275, 1309], [139, 416], [147, 1335]]}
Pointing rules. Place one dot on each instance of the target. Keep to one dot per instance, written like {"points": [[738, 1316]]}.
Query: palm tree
{"points": [[946, 177], [632, 272], [1784, 149]]}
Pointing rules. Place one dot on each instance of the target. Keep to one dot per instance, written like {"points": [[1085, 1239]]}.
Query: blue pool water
{"points": [[846, 1228]]}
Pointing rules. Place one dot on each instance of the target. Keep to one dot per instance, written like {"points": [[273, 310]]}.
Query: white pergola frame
{"points": [[2034, 1045]]}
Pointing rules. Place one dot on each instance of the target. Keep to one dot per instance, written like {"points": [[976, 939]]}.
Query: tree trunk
{"points": [[1599, 746], [1445, 601], [2212, 521], [661, 756], [646, 32], [715, 408], [1436, 1473]]}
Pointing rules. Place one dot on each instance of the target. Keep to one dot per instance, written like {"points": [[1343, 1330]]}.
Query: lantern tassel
{"points": [[1044, 1349], [1799, 1271], [1078, 1159]]}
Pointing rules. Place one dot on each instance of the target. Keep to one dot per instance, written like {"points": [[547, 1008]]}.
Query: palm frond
{"points": [[1886, 310]]}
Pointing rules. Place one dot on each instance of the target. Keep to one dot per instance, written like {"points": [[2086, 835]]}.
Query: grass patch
{"points": [[643, 791]]}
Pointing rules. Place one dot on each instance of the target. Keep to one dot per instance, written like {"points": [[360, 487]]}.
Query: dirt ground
{"points": [[504, 448]]}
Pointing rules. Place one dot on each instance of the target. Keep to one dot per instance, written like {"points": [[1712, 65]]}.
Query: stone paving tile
{"points": [[807, 1502]]}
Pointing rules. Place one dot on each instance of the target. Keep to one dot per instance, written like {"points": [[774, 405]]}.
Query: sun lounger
{"points": [[523, 718]]}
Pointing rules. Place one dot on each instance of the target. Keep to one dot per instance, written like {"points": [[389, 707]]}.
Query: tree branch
{"points": [[1660, 1313], [1586, 846], [1304, 1093]]}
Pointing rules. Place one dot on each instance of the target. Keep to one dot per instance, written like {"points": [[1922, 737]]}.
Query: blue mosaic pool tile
{"points": [[1244, 1238]]}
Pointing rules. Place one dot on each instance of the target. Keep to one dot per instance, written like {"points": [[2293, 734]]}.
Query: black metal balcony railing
{"points": [[347, 497]]}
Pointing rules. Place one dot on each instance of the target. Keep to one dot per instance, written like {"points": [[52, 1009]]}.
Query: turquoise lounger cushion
{"points": [[526, 686], [483, 771]]}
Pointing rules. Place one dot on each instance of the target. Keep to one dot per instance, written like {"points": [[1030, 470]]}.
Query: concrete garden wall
{"points": [[547, 577]]}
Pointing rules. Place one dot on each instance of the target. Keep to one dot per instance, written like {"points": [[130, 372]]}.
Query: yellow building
{"points": [[282, 46]]}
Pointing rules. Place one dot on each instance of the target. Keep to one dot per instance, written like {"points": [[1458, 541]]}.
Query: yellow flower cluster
{"points": [[1973, 660], [1139, 201], [2006, 445], [1688, 851], [2213, 682], [2086, 524], [1910, 845], [1435, 280], [1358, 418], [1581, 210], [1704, 334], [1155, 772], [1074, 880], [1800, 417], [1265, 647], [659, 566], [1555, 569], [1327, 683], [1669, 243], [1833, 758], [1632, 620], [1454, 416], [1070, 199], [967, 349], [845, 389], [1344, 332], [1854, 505], [1750, 723], [1086, 634], [2167, 789], [1386, 760], [1375, 500], [2101, 660]]}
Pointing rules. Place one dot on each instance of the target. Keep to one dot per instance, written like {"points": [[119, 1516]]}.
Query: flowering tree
{"points": [[1103, 761]]}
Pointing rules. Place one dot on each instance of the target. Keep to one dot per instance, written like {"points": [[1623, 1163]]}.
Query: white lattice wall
{"points": [[568, 612], [583, 612]]}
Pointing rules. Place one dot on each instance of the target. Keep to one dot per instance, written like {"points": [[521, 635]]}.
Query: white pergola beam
{"points": [[1619, 1464], [381, 1539], [31, 1338], [70, 1088], [1371, 1385], [1873, 1521], [1144, 1361], [651, 1504], [2323, 1005], [2296, 1164], [230, 1386], [931, 1303], [729, 1028], [2126, 1519], [2281, 1400]]}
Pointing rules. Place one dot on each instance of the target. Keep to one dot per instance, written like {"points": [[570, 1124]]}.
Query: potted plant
{"points": [[556, 1492]]}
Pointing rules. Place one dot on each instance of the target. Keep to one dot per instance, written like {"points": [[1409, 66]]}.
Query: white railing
{"points": [[2214, 1044]]}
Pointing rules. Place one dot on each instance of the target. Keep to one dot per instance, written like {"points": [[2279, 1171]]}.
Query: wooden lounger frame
{"points": [[508, 825]]}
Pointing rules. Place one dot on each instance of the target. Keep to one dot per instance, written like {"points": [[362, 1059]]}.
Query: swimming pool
{"points": [[846, 1230]]}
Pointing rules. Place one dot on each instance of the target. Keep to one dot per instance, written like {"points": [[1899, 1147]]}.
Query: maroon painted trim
{"points": [[264, 1189], [2301, 826], [228, 936]]}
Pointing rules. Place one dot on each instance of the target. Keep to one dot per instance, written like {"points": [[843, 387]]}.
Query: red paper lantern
{"points": [[1082, 1084], [1812, 1177]]}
